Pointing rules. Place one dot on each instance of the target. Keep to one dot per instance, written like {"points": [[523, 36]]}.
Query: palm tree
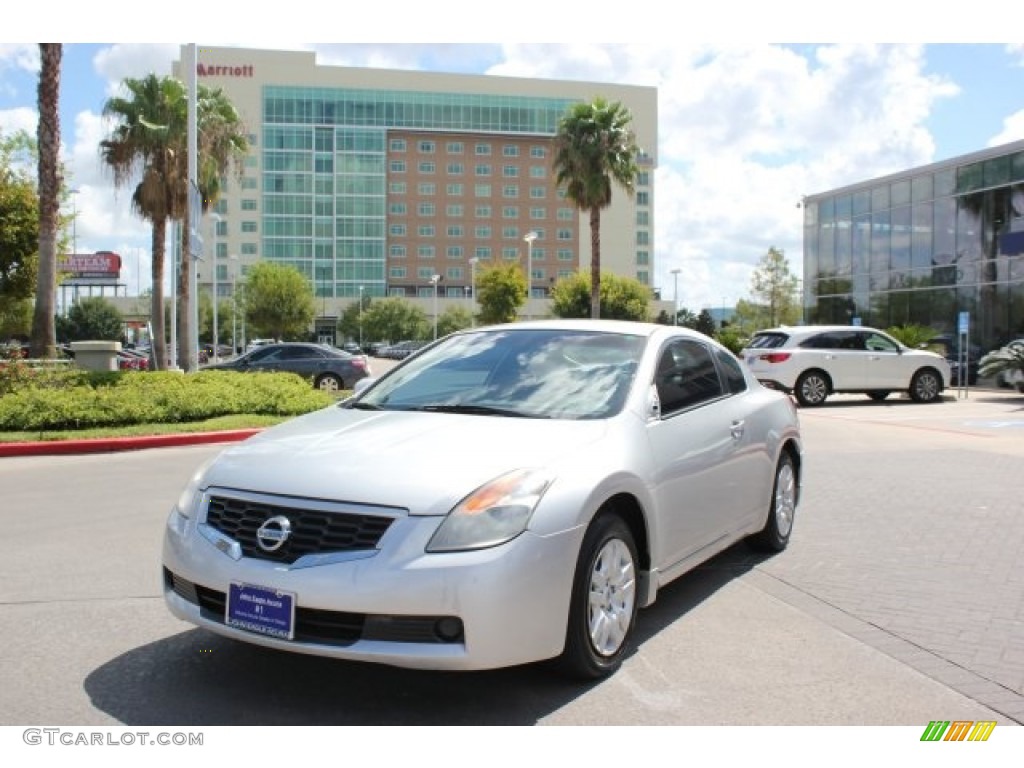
{"points": [[150, 138], [147, 139], [44, 333], [594, 146]]}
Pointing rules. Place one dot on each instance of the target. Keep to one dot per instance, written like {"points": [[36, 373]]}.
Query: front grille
{"points": [[313, 532], [315, 625]]}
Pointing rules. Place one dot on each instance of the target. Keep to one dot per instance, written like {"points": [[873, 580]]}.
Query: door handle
{"points": [[737, 429]]}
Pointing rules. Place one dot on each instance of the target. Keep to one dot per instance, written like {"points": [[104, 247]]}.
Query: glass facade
{"points": [[922, 247], [325, 170]]}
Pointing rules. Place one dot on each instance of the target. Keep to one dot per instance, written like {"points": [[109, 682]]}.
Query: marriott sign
{"points": [[218, 70]]}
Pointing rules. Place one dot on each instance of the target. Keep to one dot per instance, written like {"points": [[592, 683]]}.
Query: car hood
{"points": [[422, 462]]}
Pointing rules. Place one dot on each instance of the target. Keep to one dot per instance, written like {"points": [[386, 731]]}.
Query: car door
{"points": [[841, 355], [695, 446], [887, 367]]}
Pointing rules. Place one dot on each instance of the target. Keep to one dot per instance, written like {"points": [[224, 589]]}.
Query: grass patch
{"points": [[220, 423]]}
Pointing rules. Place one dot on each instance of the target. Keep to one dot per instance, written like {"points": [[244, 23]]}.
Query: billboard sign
{"points": [[102, 264]]}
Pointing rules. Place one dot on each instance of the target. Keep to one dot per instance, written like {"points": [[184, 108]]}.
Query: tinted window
{"points": [[686, 376], [878, 343], [768, 340], [731, 371], [835, 340]]}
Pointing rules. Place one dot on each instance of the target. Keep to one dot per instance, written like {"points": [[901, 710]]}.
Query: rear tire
{"points": [[774, 537], [812, 388], [602, 611], [329, 383]]}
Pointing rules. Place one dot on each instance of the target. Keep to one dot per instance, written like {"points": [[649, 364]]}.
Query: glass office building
{"points": [[396, 183], [923, 246]]}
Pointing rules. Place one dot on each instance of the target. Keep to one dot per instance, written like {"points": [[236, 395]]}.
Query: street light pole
{"points": [[435, 279], [472, 290], [529, 237], [234, 310], [675, 296], [360, 318], [213, 261]]}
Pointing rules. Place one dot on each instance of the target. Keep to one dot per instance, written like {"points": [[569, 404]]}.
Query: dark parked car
{"points": [[949, 347], [329, 368]]}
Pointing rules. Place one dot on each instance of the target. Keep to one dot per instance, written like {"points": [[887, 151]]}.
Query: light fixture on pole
{"points": [[234, 308], [360, 318], [675, 295], [529, 237], [473, 261], [434, 280], [216, 327]]}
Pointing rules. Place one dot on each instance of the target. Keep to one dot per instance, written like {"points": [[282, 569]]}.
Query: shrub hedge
{"points": [[75, 399]]}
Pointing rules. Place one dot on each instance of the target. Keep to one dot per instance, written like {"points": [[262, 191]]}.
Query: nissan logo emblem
{"points": [[274, 532]]}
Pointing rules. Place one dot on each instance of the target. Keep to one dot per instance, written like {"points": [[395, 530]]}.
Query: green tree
{"points": [[774, 288], [622, 298], [453, 319], [394, 319], [353, 318], [148, 143], [705, 323], [92, 318], [731, 338], [594, 148], [15, 318], [279, 302], [19, 233], [686, 318], [44, 332], [500, 292]]}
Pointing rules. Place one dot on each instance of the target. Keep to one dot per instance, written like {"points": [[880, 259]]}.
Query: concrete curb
{"points": [[112, 444]]}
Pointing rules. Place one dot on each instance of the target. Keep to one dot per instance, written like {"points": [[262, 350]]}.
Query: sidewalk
{"points": [[111, 444]]}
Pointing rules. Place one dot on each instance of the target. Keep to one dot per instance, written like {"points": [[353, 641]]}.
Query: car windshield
{"points": [[534, 373]]}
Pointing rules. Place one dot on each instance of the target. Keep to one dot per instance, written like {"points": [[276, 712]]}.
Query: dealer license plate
{"points": [[260, 609]]}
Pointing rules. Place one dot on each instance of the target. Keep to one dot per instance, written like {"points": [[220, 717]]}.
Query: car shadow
{"points": [[199, 678]]}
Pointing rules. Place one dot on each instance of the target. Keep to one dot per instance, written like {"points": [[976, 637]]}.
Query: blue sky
{"points": [[745, 127]]}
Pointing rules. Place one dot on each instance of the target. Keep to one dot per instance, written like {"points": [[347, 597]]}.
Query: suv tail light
{"points": [[775, 357]]}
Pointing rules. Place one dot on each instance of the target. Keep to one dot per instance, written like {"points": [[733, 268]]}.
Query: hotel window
{"points": [[426, 209], [538, 193], [482, 190], [565, 273], [427, 167], [397, 209], [396, 290], [483, 169], [397, 251], [251, 162], [454, 252], [425, 251], [454, 147], [397, 230], [455, 169], [642, 277], [425, 273], [565, 234], [482, 252], [510, 150], [510, 190], [643, 198], [425, 292], [397, 166], [643, 218], [396, 272], [538, 172], [538, 214], [482, 211], [564, 254], [482, 233], [538, 152], [643, 179], [249, 183], [510, 171], [249, 249], [248, 205], [454, 190], [453, 211], [483, 149], [397, 187], [510, 254], [643, 238], [455, 230], [397, 145], [427, 147], [510, 212], [643, 258], [249, 226], [426, 230], [510, 233], [426, 189], [454, 273]]}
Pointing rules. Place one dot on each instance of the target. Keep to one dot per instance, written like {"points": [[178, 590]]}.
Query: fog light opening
{"points": [[448, 629]]}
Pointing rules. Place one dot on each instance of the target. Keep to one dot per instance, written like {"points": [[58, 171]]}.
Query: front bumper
{"points": [[397, 604]]}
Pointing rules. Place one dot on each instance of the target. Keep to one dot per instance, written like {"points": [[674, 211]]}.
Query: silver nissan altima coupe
{"points": [[507, 495]]}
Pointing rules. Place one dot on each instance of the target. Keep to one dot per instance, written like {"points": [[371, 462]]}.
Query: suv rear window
{"points": [[767, 340]]}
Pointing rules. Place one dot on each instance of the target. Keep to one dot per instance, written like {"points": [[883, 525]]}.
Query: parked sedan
{"points": [[329, 368], [813, 361], [508, 495]]}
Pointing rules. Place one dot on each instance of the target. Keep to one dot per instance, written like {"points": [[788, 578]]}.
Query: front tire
{"points": [[774, 537], [329, 383], [812, 388], [926, 386], [602, 612]]}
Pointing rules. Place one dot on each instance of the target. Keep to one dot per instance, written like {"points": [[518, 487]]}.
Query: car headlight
{"points": [[188, 501], [493, 514]]}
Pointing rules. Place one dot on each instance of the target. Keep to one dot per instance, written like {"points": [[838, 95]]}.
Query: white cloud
{"points": [[1013, 130]]}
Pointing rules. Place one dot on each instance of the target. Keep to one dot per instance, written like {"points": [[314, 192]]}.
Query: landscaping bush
{"points": [[75, 399]]}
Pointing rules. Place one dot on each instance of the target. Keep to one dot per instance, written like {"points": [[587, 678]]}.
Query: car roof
{"points": [[803, 330]]}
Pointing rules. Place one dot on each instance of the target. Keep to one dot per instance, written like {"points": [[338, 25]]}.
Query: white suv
{"points": [[813, 361]]}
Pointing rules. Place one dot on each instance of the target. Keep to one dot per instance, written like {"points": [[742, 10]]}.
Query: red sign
{"points": [[99, 264], [218, 70]]}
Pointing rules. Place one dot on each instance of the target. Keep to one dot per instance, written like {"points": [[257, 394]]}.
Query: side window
{"points": [[877, 343], [686, 376], [731, 371]]}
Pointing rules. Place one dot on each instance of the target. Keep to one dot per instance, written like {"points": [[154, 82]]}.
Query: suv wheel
{"points": [[812, 388], [926, 386]]}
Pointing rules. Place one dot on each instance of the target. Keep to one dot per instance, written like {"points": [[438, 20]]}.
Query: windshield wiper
{"points": [[478, 410], [364, 406]]}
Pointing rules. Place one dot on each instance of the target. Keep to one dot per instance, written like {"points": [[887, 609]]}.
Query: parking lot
{"points": [[899, 601]]}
